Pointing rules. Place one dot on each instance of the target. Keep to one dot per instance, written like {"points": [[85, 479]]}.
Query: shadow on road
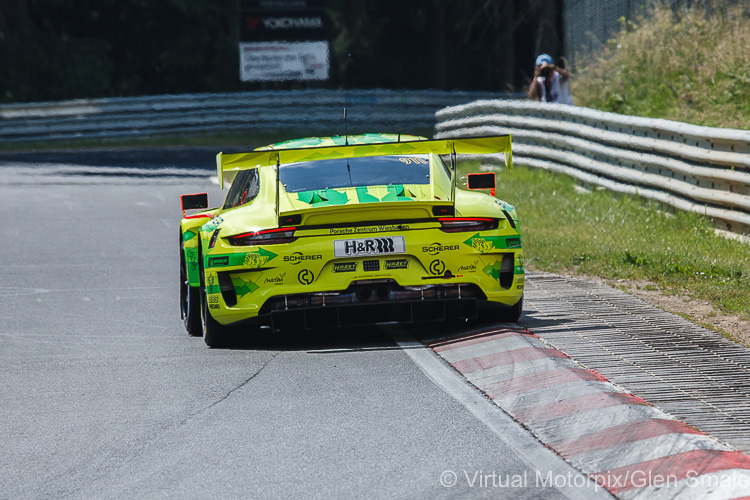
{"points": [[353, 339]]}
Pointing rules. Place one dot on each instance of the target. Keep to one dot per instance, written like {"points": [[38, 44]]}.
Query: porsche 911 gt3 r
{"points": [[346, 231]]}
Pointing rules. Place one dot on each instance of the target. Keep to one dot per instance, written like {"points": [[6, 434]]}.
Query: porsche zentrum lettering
{"points": [[370, 229]]}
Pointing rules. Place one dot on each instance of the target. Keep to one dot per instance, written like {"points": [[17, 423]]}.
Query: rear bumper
{"points": [[381, 301], [410, 311]]}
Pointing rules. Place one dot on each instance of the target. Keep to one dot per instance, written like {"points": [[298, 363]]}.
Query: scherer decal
{"points": [[484, 244], [436, 248], [298, 257]]}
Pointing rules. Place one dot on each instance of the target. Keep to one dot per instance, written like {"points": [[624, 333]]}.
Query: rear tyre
{"points": [[215, 334], [190, 302], [512, 314]]}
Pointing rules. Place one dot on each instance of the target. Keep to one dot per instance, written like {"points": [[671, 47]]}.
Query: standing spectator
{"points": [[548, 79]]}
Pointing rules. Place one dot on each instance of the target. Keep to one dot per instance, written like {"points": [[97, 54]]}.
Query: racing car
{"points": [[349, 230]]}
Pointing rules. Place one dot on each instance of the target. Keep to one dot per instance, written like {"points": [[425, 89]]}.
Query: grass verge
{"points": [[684, 64], [600, 233]]}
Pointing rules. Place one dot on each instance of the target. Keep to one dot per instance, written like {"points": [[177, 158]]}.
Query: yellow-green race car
{"points": [[346, 231]]}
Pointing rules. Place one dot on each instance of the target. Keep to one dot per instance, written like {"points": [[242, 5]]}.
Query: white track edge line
{"points": [[528, 448]]}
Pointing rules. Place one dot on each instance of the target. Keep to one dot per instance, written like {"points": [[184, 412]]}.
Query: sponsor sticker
{"points": [[512, 242], [298, 257], [397, 264], [306, 277], [437, 267], [344, 267], [369, 246], [276, 280], [468, 268], [218, 261], [436, 248], [370, 229]]}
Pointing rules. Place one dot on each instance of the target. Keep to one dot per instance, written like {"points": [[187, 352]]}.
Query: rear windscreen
{"points": [[353, 172]]}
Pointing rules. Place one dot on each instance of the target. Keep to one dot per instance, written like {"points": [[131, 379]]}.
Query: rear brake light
{"points": [[266, 237], [460, 224]]}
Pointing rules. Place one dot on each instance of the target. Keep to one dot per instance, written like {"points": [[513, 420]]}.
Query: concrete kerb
{"points": [[628, 446]]}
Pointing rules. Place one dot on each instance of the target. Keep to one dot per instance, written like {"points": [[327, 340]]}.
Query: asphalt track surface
{"points": [[105, 396]]}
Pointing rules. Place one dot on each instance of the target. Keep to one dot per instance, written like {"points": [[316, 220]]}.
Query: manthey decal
{"points": [[254, 259], [485, 244], [188, 235], [323, 197], [243, 286], [258, 258], [210, 226], [493, 270], [364, 194], [398, 193]]}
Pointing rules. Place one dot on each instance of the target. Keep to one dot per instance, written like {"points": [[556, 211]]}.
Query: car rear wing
{"points": [[227, 165]]}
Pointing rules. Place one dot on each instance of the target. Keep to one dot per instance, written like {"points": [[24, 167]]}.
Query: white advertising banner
{"points": [[277, 61]]}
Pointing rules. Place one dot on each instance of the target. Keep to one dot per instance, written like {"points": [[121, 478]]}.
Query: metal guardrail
{"points": [[312, 111], [687, 167]]}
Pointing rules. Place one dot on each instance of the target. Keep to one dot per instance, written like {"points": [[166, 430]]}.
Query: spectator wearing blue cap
{"points": [[548, 82]]}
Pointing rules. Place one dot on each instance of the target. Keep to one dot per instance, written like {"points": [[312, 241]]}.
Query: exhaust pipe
{"points": [[364, 294], [382, 293]]}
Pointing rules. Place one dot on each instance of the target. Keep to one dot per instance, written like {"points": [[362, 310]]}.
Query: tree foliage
{"points": [[58, 49]]}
